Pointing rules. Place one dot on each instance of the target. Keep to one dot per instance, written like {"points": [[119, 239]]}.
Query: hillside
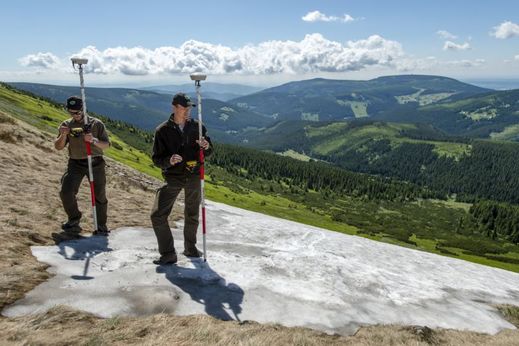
{"points": [[315, 193], [456, 108], [488, 115], [24, 148], [147, 109], [325, 100], [417, 153]]}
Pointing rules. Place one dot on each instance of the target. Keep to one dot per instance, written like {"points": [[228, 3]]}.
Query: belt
{"points": [[94, 159]]}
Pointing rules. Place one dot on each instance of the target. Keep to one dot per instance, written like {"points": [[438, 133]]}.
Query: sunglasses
{"points": [[74, 112]]}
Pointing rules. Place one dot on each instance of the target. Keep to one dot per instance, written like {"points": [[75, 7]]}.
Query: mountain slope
{"points": [[416, 153], [20, 271], [147, 109], [315, 193], [483, 116], [324, 100]]}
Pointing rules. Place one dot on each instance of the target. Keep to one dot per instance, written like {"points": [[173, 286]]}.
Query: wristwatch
{"points": [[95, 140]]}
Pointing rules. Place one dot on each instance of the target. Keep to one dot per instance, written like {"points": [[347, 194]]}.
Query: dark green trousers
{"points": [[164, 200], [71, 180]]}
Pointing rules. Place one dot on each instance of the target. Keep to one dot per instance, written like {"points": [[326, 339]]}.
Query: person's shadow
{"points": [[82, 248], [207, 287]]}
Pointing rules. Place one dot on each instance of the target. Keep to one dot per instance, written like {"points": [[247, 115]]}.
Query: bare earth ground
{"points": [[30, 170]]}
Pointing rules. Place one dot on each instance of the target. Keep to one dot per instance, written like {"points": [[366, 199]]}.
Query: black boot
{"points": [[102, 230]]}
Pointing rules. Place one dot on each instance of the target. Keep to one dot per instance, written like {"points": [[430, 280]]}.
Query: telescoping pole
{"points": [[80, 62], [197, 78]]}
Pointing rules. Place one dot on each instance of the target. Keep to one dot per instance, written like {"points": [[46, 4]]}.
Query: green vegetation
{"points": [[295, 155], [509, 133], [416, 153]]}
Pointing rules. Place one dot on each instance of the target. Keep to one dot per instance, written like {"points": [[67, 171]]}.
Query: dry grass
{"points": [[75, 327], [30, 171]]}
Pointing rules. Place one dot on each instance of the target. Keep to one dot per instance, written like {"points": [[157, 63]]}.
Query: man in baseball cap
{"points": [[183, 100], [176, 150], [74, 133]]}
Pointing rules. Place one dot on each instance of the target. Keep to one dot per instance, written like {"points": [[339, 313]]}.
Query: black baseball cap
{"points": [[75, 103], [183, 100]]}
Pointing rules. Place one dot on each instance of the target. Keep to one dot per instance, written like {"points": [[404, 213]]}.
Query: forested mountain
{"points": [[454, 107], [417, 153], [492, 114], [147, 109], [324, 100]]}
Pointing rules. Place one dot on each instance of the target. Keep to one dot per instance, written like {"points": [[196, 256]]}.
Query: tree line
{"points": [[315, 176]]}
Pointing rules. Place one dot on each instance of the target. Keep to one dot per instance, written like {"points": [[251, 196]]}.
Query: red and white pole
{"points": [[197, 78], [80, 63]]}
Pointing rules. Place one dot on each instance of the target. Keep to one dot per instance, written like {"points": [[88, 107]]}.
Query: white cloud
{"points": [[43, 60], [505, 30], [446, 35], [516, 57], [449, 45], [316, 16], [466, 63], [313, 54]]}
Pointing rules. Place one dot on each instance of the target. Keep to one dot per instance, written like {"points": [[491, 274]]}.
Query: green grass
{"points": [[275, 206], [509, 133], [295, 155], [337, 136]]}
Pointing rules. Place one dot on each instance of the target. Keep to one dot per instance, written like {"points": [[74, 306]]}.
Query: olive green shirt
{"points": [[77, 145]]}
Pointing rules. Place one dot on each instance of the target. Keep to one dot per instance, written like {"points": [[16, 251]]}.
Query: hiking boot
{"points": [[194, 252], [102, 230], [71, 226], [170, 258]]}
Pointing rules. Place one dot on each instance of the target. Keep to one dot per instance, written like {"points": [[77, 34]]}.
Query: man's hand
{"points": [[91, 139], [174, 159], [204, 144], [64, 130]]}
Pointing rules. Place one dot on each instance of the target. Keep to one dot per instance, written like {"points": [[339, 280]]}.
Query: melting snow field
{"points": [[270, 270]]}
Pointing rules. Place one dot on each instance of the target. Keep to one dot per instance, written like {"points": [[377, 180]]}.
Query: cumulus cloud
{"points": [[41, 60], [449, 45], [314, 53], [505, 30], [317, 16], [446, 35]]}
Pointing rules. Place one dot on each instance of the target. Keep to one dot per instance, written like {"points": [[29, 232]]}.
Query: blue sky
{"points": [[263, 42]]}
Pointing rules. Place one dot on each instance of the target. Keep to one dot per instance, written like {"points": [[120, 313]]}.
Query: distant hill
{"points": [[147, 109], [490, 114], [325, 100], [454, 107], [210, 90]]}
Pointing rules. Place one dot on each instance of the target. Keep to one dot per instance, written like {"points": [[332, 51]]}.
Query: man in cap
{"points": [[74, 133], [176, 150]]}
